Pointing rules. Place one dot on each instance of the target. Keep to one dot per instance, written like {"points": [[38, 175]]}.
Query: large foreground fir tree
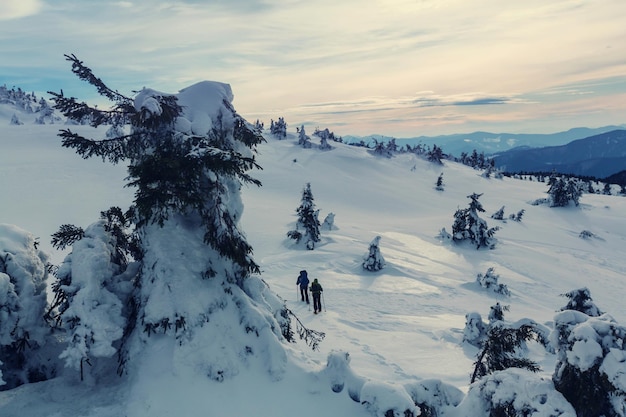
{"points": [[188, 156]]}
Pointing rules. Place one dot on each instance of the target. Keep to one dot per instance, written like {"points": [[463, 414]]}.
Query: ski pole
{"points": [[323, 301]]}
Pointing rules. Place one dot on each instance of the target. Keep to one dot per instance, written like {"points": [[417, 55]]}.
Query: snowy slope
{"points": [[401, 325]]}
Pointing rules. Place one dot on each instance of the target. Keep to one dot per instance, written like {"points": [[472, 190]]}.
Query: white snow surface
{"points": [[392, 336]]}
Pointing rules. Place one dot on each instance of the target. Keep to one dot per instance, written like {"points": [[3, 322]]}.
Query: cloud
{"points": [[15, 9]]}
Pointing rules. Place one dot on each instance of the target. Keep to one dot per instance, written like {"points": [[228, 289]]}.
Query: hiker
{"points": [[316, 290], [303, 282]]}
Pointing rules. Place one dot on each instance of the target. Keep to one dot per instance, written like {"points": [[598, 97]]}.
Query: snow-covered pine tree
{"points": [[469, 226], [373, 259], [439, 184], [561, 192], [307, 220], [591, 363], [23, 330], [188, 156]]}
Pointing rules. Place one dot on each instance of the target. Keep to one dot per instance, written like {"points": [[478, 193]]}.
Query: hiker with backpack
{"points": [[303, 282], [316, 290]]}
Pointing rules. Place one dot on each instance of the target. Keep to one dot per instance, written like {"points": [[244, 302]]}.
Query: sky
{"points": [[402, 68], [401, 326]]}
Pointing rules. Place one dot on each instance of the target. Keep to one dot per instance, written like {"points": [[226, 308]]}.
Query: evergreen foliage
{"points": [[435, 155], [439, 184], [468, 225], [307, 220], [591, 358], [517, 216], [501, 349], [498, 215], [278, 128], [580, 300], [173, 172], [489, 280], [303, 139], [562, 191]]}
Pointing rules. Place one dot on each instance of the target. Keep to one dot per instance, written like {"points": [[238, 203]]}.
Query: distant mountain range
{"points": [[597, 156], [490, 143]]}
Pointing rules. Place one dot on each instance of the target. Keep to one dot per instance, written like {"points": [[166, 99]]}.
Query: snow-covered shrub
{"points": [[15, 121], [469, 226], [475, 330], [373, 260], [387, 400], [591, 363], [496, 312], [514, 393], [23, 330], [498, 215], [329, 221], [517, 216], [490, 281], [434, 397], [586, 234], [439, 185], [341, 376]]}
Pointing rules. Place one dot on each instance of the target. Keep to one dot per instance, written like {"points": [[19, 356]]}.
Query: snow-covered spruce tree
{"points": [[591, 363], [503, 348], [23, 330], [188, 155], [324, 135], [469, 226], [308, 220], [279, 128], [303, 139], [373, 259], [580, 300]]}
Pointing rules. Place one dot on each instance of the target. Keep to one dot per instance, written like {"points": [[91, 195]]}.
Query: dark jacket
{"points": [[303, 280], [316, 288]]}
